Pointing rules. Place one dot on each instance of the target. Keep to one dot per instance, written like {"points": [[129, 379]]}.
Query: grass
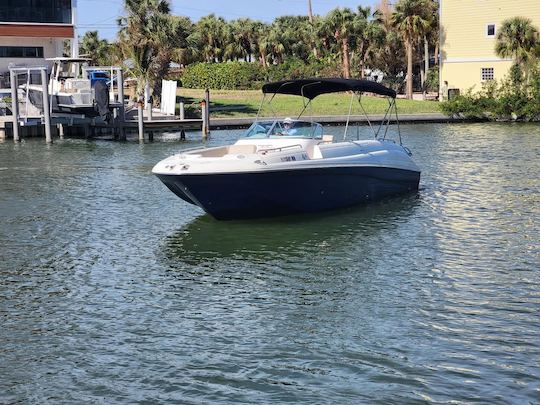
{"points": [[245, 103]]}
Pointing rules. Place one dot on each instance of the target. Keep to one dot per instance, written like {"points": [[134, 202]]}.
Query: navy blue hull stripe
{"points": [[266, 194]]}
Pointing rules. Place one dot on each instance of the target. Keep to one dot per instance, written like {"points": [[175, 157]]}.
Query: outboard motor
{"points": [[101, 91]]}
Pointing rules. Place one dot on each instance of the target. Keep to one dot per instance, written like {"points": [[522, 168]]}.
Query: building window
{"points": [[21, 52], [490, 30], [36, 11], [487, 74]]}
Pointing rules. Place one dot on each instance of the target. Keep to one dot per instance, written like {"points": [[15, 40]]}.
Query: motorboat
{"points": [[73, 89], [284, 166]]}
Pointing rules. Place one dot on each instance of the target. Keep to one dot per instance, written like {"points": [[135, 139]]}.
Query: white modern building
{"points": [[33, 30]]}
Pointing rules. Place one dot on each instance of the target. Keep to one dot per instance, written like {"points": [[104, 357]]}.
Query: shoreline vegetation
{"points": [[508, 100], [395, 44]]}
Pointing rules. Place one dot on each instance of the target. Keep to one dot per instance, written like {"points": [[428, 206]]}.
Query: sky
{"points": [[101, 15]]}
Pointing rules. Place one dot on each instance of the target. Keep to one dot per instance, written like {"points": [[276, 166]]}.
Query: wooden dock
{"points": [[29, 121], [79, 126]]}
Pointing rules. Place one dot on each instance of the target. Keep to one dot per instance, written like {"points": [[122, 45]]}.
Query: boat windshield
{"points": [[287, 127]]}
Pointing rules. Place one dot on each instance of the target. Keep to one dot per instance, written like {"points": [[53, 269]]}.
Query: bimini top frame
{"points": [[311, 88]]}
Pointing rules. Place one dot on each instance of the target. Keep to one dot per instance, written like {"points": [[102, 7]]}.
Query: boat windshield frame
{"points": [[261, 129], [309, 89]]}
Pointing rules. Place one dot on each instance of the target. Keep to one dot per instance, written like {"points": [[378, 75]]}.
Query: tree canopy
{"points": [[345, 42]]}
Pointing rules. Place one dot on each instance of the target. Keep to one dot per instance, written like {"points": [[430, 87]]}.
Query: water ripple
{"points": [[112, 290]]}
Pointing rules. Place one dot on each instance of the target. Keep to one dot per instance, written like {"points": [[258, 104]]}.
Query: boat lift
{"points": [[46, 116], [26, 117], [14, 73]]}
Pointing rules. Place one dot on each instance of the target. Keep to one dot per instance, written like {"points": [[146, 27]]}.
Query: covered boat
{"points": [[285, 166]]}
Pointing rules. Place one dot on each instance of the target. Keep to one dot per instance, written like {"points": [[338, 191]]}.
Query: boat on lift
{"points": [[75, 90], [284, 167]]}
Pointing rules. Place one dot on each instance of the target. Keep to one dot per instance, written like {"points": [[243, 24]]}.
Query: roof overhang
{"points": [[36, 30]]}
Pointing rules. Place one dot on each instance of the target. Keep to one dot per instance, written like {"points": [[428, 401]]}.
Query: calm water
{"points": [[113, 290]]}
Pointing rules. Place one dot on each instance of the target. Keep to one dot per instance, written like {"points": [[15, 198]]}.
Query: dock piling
{"points": [[140, 120], [46, 107], [207, 117], [60, 128], [204, 112], [14, 105], [122, 110]]}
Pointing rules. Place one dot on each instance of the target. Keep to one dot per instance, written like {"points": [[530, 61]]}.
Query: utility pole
{"points": [[310, 15]]}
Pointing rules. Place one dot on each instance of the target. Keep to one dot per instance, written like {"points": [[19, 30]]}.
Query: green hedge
{"points": [[246, 75], [223, 76]]}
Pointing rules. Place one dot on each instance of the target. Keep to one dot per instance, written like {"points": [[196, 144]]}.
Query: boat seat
{"points": [[247, 149], [228, 150], [327, 138]]}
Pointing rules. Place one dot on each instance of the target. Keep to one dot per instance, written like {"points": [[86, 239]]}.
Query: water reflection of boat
{"points": [[206, 240], [289, 167]]}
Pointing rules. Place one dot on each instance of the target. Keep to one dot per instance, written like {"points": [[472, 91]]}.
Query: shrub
{"points": [[394, 82], [223, 76], [292, 68], [432, 79], [247, 75], [512, 99]]}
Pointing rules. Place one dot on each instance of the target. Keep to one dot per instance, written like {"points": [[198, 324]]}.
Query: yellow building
{"points": [[468, 31]]}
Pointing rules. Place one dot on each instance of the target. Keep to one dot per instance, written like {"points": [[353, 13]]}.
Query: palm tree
{"points": [[94, 48], [278, 43], [368, 34], [211, 33], [519, 39], [262, 43], [295, 34], [412, 19], [341, 23], [188, 51], [147, 39], [244, 34]]}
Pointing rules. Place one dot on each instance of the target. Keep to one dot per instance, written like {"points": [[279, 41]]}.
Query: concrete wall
{"points": [[468, 75], [52, 47], [465, 46]]}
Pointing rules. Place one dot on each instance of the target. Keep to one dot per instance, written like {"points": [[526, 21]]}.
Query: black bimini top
{"points": [[311, 88]]}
